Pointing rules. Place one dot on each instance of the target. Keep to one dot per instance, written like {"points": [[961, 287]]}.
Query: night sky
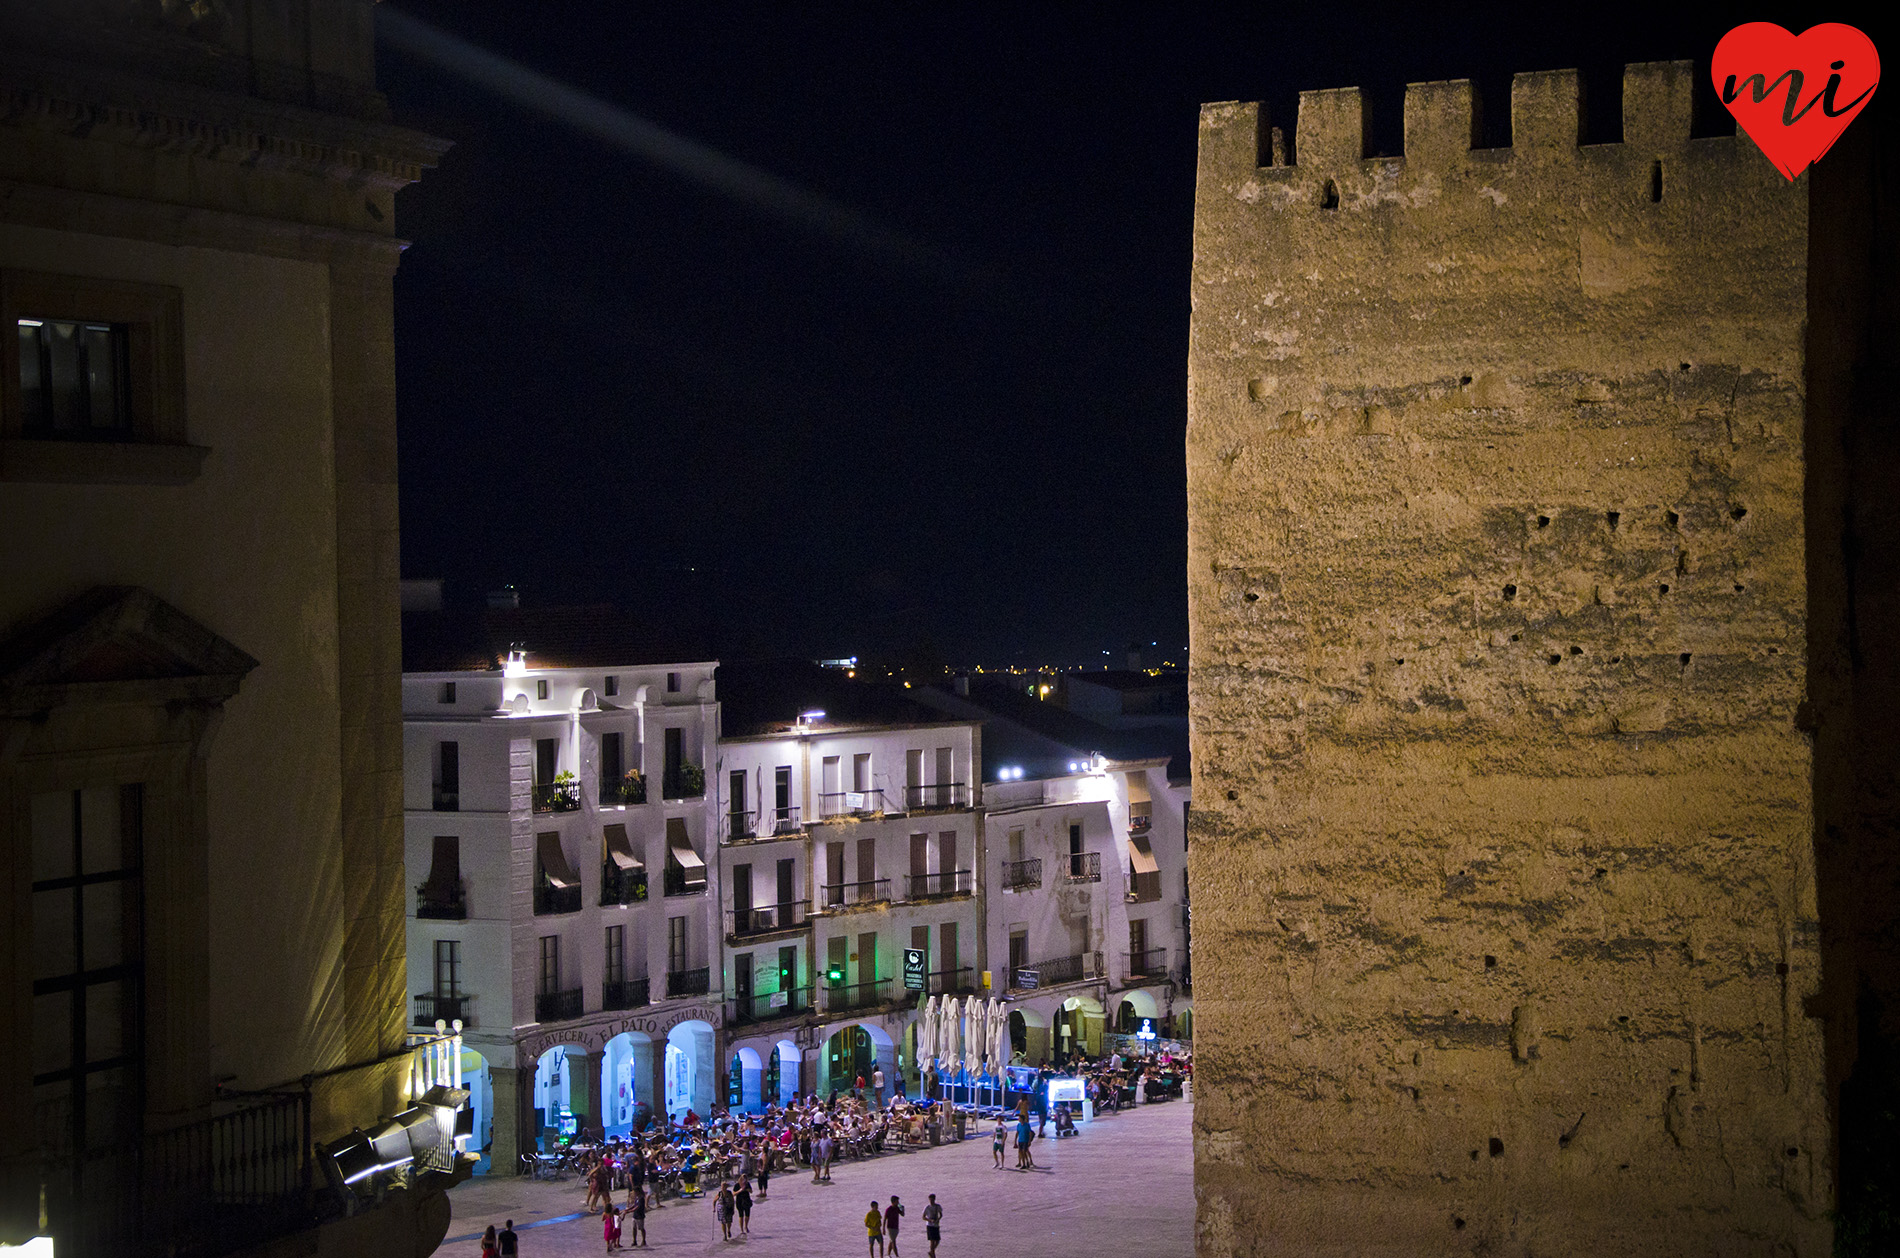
{"points": [[948, 425]]}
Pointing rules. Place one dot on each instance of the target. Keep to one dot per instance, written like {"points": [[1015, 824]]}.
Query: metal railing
{"points": [[939, 885], [941, 795], [1140, 819], [557, 1006], [687, 782], [676, 882], [621, 886], [856, 995], [951, 982], [626, 993], [225, 1183], [1059, 970], [1143, 888], [625, 791], [448, 801], [689, 982], [743, 827], [1018, 875], [1150, 963], [431, 1006], [783, 820], [851, 803], [766, 918], [1084, 867], [450, 908], [765, 1006], [552, 899], [844, 894], [557, 796], [739, 826]]}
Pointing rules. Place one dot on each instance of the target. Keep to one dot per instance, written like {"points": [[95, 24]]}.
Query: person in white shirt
{"points": [[877, 1085]]}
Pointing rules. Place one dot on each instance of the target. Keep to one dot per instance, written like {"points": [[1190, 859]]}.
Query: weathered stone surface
{"points": [[1498, 579]]}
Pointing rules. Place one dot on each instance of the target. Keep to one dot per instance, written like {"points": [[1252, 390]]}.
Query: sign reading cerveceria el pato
{"points": [[597, 1034]]}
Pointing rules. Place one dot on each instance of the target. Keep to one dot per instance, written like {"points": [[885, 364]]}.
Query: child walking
{"points": [[610, 1225]]}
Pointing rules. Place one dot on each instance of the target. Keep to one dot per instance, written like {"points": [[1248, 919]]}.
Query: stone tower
{"points": [[1518, 615]]}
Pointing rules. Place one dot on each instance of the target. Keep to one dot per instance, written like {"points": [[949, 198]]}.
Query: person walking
{"points": [[610, 1226], [742, 1202], [726, 1210], [892, 1213], [933, 1220], [998, 1140], [488, 1243], [874, 1224], [1024, 1134], [637, 1218], [877, 1085], [508, 1245], [765, 1173]]}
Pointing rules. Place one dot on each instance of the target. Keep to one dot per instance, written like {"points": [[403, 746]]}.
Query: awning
{"points": [[554, 861], [445, 870], [619, 850], [1137, 787], [1141, 855], [680, 848]]}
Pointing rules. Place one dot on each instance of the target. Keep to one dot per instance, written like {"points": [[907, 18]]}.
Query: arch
{"points": [[850, 1050], [587, 700], [690, 1069], [626, 1083], [1135, 1005], [1078, 1026], [747, 1069], [560, 1100], [787, 1057], [481, 1103]]}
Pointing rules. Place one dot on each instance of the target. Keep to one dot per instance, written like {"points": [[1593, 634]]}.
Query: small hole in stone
{"points": [[1613, 517], [1543, 521], [1510, 592], [1616, 659], [1683, 366], [1622, 1017], [1672, 520], [1599, 873], [1684, 659], [1233, 794], [1463, 380], [1516, 636], [1655, 182], [1781, 968], [1251, 597], [1329, 196], [1497, 1147], [1623, 1166], [1576, 650], [1556, 659], [1774, 650], [1457, 1223], [1662, 589], [1738, 587], [1398, 661], [1474, 1155], [1490, 962], [1793, 1152], [1738, 513]]}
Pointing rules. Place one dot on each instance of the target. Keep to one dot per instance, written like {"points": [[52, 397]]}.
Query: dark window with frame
{"points": [[676, 945], [672, 683], [74, 383], [547, 755], [541, 688], [675, 757], [88, 950], [611, 686], [616, 963], [448, 967], [550, 978], [448, 777], [447, 693]]}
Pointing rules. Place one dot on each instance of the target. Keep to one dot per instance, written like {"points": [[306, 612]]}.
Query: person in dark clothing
{"points": [[510, 1243]]}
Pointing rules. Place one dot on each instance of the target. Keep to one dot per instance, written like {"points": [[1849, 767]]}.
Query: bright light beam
{"points": [[686, 158]]}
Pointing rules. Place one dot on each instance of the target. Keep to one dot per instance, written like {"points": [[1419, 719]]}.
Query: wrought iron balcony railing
{"points": [[1021, 875], [432, 1006], [765, 1006], [629, 790], [448, 799], [1059, 970], [942, 795], [767, 918], [857, 995], [677, 881], [1151, 963], [552, 899], [557, 1006], [452, 907], [621, 886], [840, 895], [627, 993], [952, 982], [557, 796], [1140, 819], [851, 803], [940, 885], [688, 982], [1084, 867]]}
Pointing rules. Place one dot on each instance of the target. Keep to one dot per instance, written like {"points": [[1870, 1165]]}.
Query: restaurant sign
{"points": [[913, 969], [595, 1037]]}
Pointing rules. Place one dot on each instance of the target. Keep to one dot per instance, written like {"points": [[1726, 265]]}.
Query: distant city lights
{"points": [[1010, 773]]}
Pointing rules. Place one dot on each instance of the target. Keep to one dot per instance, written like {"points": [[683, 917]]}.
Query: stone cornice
{"points": [[220, 126]]}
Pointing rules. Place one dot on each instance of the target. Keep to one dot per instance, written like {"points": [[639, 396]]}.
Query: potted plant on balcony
{"points": [[633, 788], [692, 781], [566, 792]]}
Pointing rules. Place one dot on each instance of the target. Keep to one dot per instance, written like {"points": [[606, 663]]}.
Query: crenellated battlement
{"points": [[1331, 134]]}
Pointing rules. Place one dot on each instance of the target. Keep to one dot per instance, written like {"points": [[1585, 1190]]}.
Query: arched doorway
{"points": [[626, 1083], [853, 1051], [481, 1104], [1134, 1008], [689, 1069], [782, 1073], [560, 1094], [745, 1081], [1028, 1035], [1078, 1028]]}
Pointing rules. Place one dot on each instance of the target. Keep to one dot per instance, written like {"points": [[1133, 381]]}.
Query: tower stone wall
{"points": [[1510, 627]]}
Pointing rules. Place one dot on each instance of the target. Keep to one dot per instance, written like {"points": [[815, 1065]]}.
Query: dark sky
{"points": [[616, 384]]}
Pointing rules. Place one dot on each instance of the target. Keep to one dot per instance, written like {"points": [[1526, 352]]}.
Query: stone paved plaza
{"points": [[1124, 1185]]}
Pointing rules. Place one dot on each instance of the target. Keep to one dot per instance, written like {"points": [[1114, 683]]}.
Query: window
{"points": [[611, 772], [861, 771], [448, 967], [1018, 951], [547, 757], [611, 686], [87, 362], [448, 777], [541, 688], [447, 693], [676, 945], [550, 979], [616, 964], [672, 683], [675, 757], [782, 792]]}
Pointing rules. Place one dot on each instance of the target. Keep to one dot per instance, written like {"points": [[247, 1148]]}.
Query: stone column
{"points": [[646, 1076], [583, 1089], [505, 1152]]}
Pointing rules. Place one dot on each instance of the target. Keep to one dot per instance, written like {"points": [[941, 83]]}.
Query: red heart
{"points": [[1795, 94]]}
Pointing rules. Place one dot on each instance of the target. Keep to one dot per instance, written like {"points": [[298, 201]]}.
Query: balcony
{"points": [[850, 803], [621, 886], [1084, 867], [746, 827], [1144, 888], [939, 886], [1022, 875], [955, 982], [1055, 971], [857, 995], [557, 796], [629, 993], [768, 919], [431, 1008], [448, 799], [446, 908], [550, 899], [765, 1006], [1140, 818], [688, 781], [234, 1181], [844, 895], [557, 1006], [935, 798], [631, 789], [1152, 963], [688, 983], [678, 880]]}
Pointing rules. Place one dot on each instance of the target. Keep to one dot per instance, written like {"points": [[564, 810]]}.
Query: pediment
{"points": [[115, 644]]}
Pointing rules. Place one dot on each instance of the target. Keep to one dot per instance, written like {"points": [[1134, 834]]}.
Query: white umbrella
{"points": [[999, 1034], [969, 1028], [927, 1034]]}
